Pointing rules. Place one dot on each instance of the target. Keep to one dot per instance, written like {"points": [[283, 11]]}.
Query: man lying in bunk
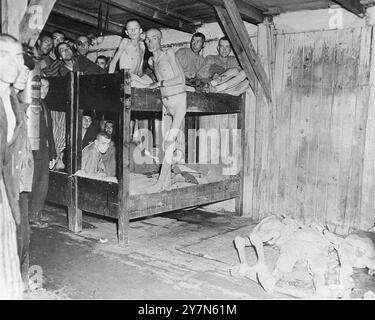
{"points": [[71, 63], [222, 72], [89, 129], [93, 163], [171, 81]]}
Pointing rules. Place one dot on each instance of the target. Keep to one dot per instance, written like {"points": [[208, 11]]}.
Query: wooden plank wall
{"points": [[314, 149]]}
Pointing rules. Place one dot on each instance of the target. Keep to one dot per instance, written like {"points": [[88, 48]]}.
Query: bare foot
{"points": [[266, 281]]}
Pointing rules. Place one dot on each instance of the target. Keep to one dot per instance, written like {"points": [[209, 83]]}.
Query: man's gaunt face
{"points": [[83, 45], [224, 48], [133, 30], [66, 52], [45, 45], [57, 38], [108, 128], [102, 143], [44, 88], [11, 61], [153, 40], [102, 63], [86, 122], [196, 44]]}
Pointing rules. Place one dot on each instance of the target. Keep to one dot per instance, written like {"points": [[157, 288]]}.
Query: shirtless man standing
{"points": [[130, 51], [172, 87]]}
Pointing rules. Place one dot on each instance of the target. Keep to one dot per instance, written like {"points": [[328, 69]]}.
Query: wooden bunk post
{"points": [[74, 214], [124, 162], [246, 123]]}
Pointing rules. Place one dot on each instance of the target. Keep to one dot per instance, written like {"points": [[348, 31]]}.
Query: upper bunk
{"points": [[107, 92]]}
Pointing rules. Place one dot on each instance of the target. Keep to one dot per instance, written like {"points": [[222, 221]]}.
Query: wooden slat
{"points": [[124, 160], [58, 188], [85, 17], [151, 13], [148, 204], [57, 97], [34, 20], [366, 219], [244, 37], [74, 214]]}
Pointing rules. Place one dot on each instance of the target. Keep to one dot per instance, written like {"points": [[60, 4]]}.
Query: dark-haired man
{"points": [[82, 45], [217, 64], [71, 63], [102, 62], [43, 47], [190, 58], [92, 156]]}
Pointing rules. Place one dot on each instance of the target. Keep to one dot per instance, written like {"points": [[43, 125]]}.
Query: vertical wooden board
{"points": [[361, 53], [289, 205], [366, 219], [278, 97], [304, 124], [333, 218], [333, 134], [325, 113], [313, 128], [295, 111], [348, 103]]}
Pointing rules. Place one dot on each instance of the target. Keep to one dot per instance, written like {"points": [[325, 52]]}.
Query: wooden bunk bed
{"points": [[112, 92]]}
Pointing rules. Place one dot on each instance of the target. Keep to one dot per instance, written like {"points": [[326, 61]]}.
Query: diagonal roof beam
{"points": [[354, 6], [34, 20], [156, 14], [85, 17], [248, 12], [247, 46]]}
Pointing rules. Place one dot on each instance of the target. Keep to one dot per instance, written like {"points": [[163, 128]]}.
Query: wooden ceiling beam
{"points": [[85, 17], [34, 20], [248, 12], [354, 6], [152, 13], [69, 32]]}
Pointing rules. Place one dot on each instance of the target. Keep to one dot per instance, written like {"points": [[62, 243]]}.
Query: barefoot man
{"points": [[171, 81], [131, 51]]}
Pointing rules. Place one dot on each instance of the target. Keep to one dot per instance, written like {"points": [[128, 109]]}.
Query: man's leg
{"points": [[177, 108], [23, 238]]}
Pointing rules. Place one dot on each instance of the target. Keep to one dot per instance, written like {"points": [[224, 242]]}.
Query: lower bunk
{"points": [[100, 196]]}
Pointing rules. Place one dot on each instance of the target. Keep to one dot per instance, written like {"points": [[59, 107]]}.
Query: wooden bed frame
{"points": [[112, 92]]}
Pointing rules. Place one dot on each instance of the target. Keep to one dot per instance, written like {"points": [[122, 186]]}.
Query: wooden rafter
{"points": [[248, 12], [85, 17], [34, 20], [151, 13], [354, 6], [239, 34]]}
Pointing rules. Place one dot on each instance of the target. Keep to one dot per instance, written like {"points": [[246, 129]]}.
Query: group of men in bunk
{"points": [[166, 70], [25, 172]]}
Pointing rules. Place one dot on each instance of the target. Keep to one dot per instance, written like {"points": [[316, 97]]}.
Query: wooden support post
{"points": [[74, 214], [246, 122], [34, 20], [124, 162], [247, 46], [12, 13]]}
